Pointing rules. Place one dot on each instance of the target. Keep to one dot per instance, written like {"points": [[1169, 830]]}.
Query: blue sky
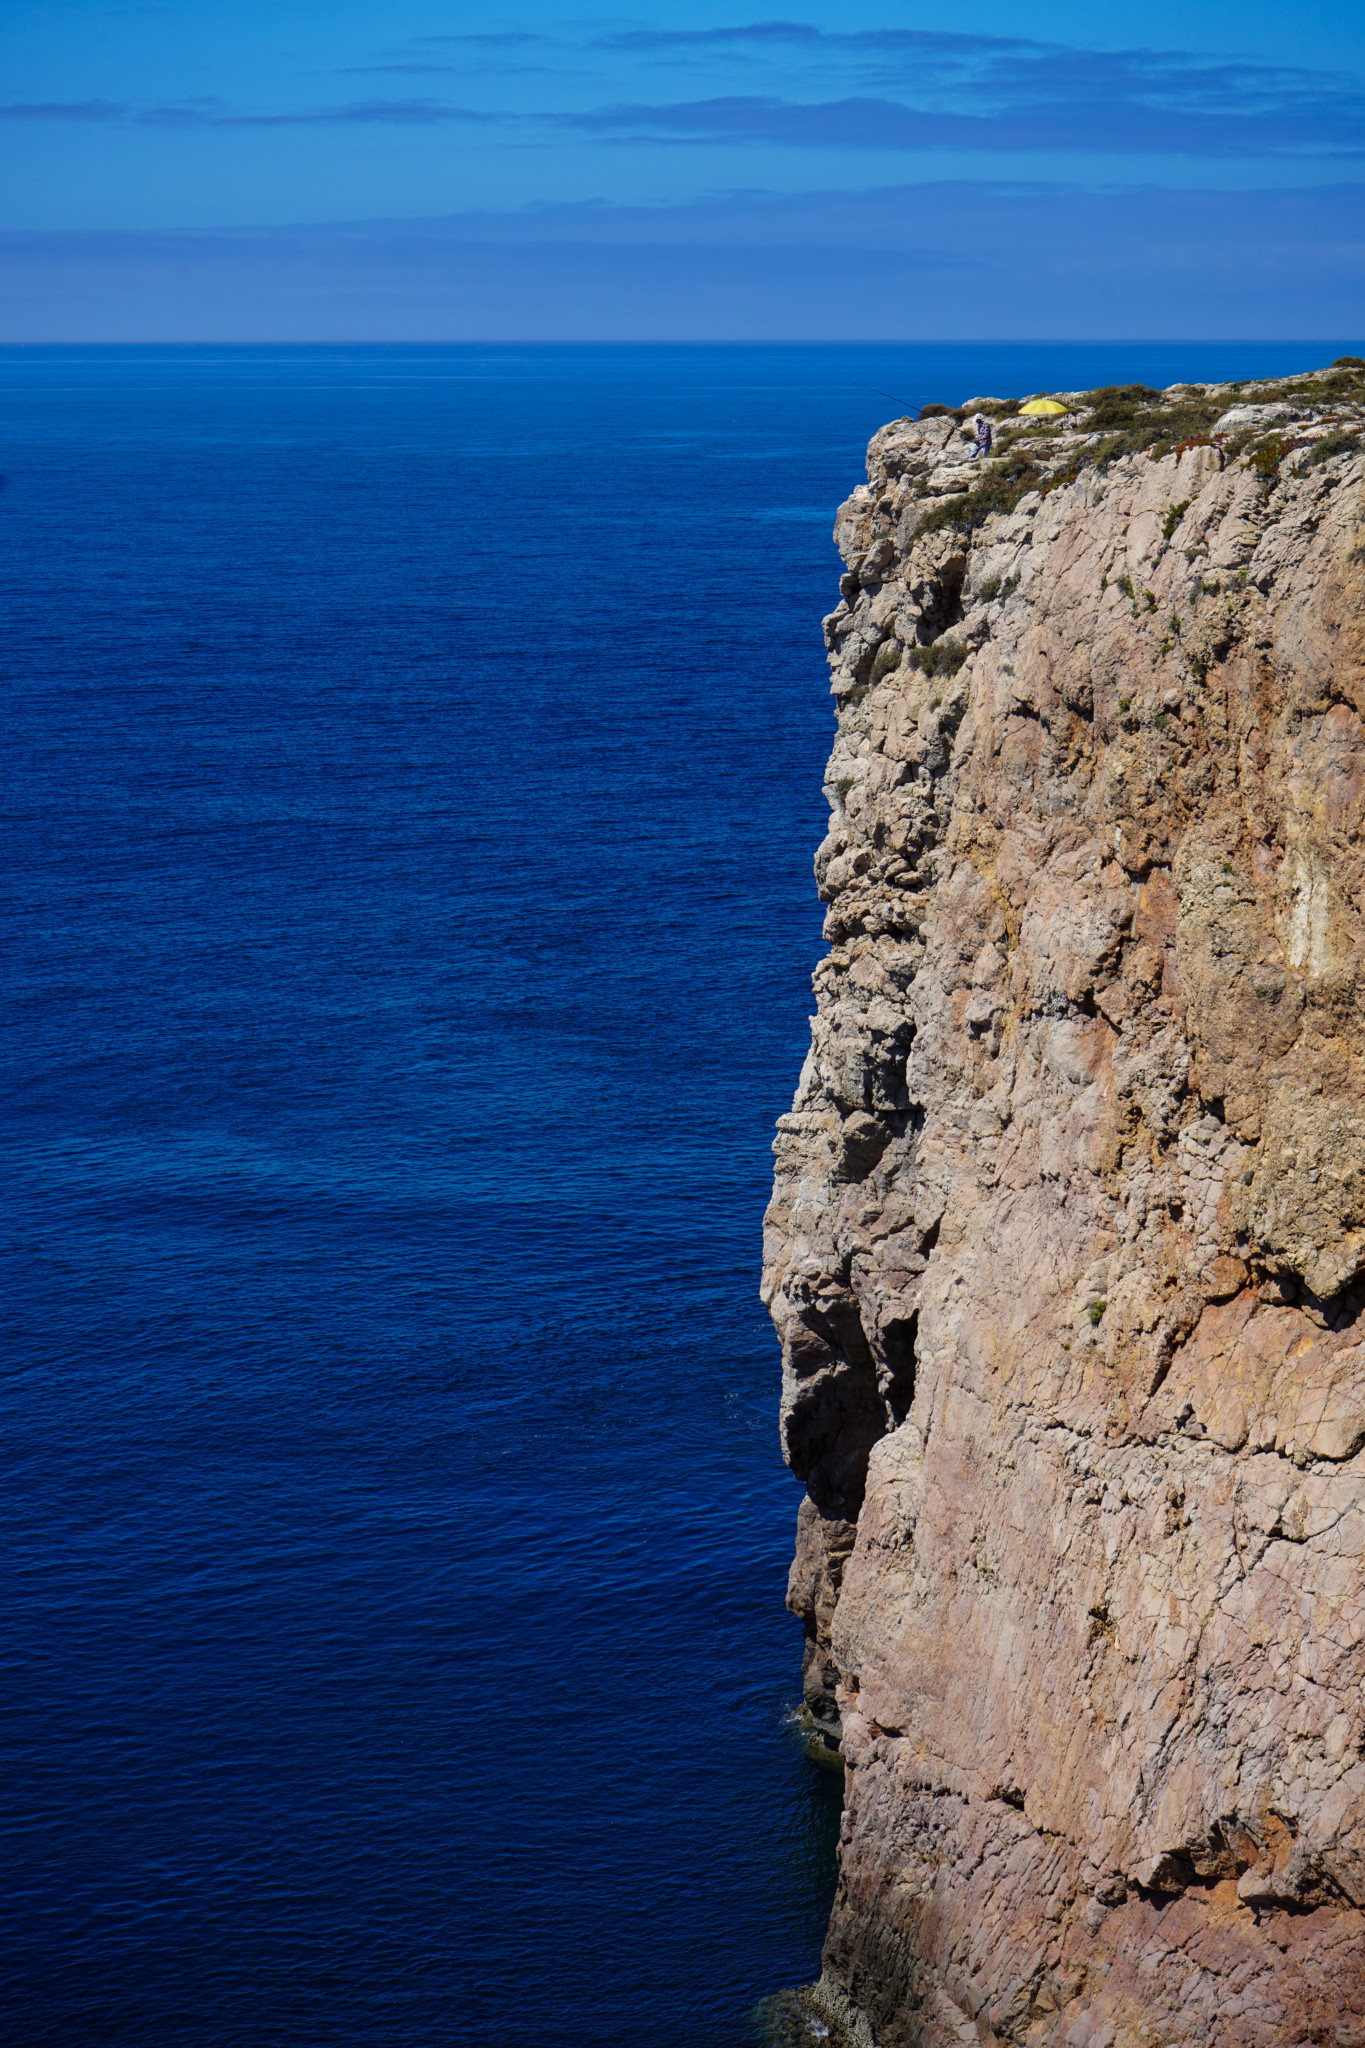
{"points": [[391, 167]]}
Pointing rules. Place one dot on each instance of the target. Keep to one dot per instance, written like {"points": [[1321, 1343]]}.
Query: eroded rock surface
{"points": [[1067, 1252]]}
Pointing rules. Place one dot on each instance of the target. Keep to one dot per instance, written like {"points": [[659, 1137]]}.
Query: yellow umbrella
{"points": [[1039, 405]]}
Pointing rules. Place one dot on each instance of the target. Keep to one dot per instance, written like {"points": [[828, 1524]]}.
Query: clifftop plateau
{"points": [[1067, 1243]]}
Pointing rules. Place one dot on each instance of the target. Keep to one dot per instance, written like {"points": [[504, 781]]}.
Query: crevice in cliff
{"points": [[833, 1415], [898, 1338], [944, 609]]}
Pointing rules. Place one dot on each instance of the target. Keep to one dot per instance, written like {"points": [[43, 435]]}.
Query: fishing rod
{"points": [[887, 394]]}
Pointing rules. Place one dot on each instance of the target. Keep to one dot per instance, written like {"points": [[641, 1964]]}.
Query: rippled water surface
{"points": [[414, 763]]}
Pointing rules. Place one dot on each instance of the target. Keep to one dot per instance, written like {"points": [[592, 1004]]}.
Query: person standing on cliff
{"points": [[982, 428]]}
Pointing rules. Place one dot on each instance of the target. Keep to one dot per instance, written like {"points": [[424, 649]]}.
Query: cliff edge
{"points": [[1067, 1243]]}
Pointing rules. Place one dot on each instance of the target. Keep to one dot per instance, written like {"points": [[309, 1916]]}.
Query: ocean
{"points": [[414, 762]]}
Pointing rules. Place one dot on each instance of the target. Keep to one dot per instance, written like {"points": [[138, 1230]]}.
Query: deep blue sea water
{"points": [[414, 764]]}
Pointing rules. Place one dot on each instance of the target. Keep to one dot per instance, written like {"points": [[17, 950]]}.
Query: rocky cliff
{"points": [[1067, 1245]]}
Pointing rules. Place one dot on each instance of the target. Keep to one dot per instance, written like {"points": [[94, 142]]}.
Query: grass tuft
{"points": [[1342, 443], [939, 659]]}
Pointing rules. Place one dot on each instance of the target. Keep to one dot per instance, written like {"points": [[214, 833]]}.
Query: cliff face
{"points": [[1067, 1246]]}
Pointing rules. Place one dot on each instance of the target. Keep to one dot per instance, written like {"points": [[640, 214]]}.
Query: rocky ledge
{"points": [[1067, 1245]]}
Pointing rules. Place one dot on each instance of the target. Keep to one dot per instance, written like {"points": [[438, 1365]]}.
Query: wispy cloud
{"points": [[400, 113], [950, 71], [417, 69], [801, 35], [1013, 66], [783, 32], [64, 110], [1334, 129], [502, 39], [891, 91]]}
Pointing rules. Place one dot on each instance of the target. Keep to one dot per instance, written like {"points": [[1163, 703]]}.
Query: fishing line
{"points": [[886, 394]]}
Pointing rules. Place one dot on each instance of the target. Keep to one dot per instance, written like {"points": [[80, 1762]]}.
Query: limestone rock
{"points": [[1067, 1251]]}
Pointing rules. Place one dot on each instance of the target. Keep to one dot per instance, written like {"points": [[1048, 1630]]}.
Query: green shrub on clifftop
{"points": [[1342, 443], [999, 491]]}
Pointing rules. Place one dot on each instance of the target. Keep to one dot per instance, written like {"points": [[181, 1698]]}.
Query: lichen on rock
{"points": [[1067, 1242]]}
